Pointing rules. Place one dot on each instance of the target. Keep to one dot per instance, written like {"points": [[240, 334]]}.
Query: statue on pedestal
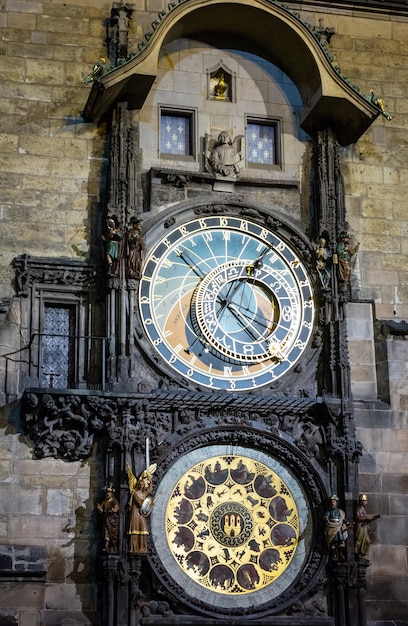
{"points": [[361, 535], [109, 508], [140, 505], [345, 253], [336, 529], [225, 159]]}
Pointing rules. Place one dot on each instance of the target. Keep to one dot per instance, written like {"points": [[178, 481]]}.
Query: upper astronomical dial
{"points": [[226, 302]]}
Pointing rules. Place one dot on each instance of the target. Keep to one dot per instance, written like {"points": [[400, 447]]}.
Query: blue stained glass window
{"points": [[175, 134], [261, 143]]}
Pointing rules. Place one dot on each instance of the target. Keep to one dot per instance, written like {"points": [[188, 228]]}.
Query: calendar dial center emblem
{"points": [[226, 302]]}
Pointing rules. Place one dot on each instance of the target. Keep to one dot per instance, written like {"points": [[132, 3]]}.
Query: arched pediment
{"points": [[260, 27]]}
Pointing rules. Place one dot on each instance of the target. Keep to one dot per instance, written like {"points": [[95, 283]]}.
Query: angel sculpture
{"points": [[225, 160], [140, 505]]}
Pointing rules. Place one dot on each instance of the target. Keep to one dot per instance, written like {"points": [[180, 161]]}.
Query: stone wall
{"points": [[51, 161], [376, 186], [53, 185], [51, 168]]}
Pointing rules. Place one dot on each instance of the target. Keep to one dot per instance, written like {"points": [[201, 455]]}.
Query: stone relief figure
{"points": [[109, 509], [361, 520], [134, 248], [323, 262], [140, 505], [226, 158], [335, 529], [345, 252], [311, 438], [111, 238]]}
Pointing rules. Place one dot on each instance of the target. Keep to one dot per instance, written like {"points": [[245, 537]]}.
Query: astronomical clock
{"points": [[211, 364], [226, 307], [226, 303]]}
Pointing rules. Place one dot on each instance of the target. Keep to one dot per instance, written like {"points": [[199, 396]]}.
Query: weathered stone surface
{"points": [[24, 595], [69, 618], [53, 191], [68, 597], [389, 560], [33, 527], [9, 617], [30, 618]]}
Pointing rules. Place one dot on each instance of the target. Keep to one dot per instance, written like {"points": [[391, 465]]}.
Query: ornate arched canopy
{"points": [[256, 26]]}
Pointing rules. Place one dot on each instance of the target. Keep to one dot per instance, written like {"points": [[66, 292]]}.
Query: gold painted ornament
{"points": [[232, 524]]}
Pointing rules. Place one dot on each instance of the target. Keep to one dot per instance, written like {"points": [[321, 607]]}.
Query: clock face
{"points": [[226, 303], [232, 526]]}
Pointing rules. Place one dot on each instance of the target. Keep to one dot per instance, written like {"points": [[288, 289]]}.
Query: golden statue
{"points": [[140, 505], [221, 87]]}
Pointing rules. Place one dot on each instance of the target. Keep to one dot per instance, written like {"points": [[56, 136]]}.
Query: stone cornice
{"points": [[388, 7]]}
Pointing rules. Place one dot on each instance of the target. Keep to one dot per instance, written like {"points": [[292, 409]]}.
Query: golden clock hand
{"points": [[275, 351]]}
